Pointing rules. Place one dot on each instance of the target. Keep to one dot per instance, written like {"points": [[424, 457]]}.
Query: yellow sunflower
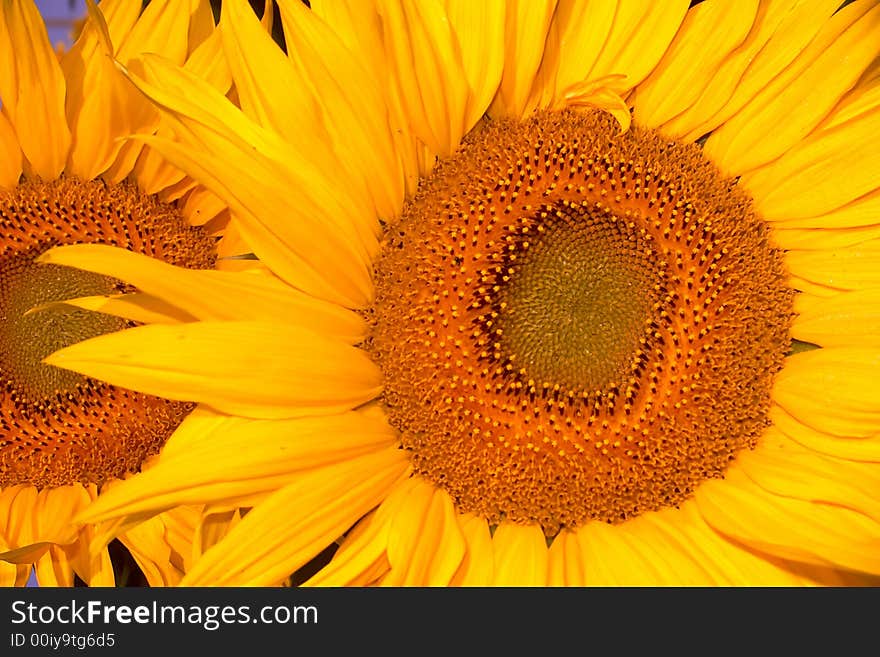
{"points": [[580, 293], [68, 176]]}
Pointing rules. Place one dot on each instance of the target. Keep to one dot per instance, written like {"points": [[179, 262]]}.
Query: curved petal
{"points": [[213, 295], [814, 533], [520, 555], [478, 565], [766, 127], [832, 390], [253, 369], [425, 544], [32, 87], [848, 319], [10, 155], [688, 65], [297, 522], [235, 458], [526, 25]]}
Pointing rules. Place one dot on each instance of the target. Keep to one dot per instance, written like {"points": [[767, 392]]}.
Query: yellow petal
{"points": [[97, 95], [153, 173], [832, 390], [689, 65], [426, 60], [14, 575], [844, 447], [252, 369], [152, 553], [478, 566], [767, 127], [639, 552], [783, 467], [526, 24], [848, 319], [566, 561], [361, 557], [35, 519], [810, 532], [826, 171], [813, 239], [163, 27], [851, 268], [53, 569], [136, 307], [425, 544], [804, 18], [861, 212], [237, 458], [724, 563], [296, 523], [479, 30], [32, 88], [574, 40], [351, 105], [638, 37], [320, 248], [520, 555], [780, 30], [10, 155], [213, 295]]}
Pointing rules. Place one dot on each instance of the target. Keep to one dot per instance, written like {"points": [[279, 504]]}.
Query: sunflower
{"points": [[578, 293], [68, 176]]}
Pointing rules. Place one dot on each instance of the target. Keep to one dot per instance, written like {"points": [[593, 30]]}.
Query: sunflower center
{"points": [[574, 297], [575, 324], [58, 427]]}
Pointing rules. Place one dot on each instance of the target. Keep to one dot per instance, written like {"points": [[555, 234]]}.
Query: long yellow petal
{"points": [[213, 295], [479, 30], [424, 54], [351, 104], [724, 562], [820, 534], [639, 553], [253, 369], [96, 106], [478, 566], [152, 553], [318, 247], [10, 155], [520, 555], [361, 557], [783, 467], [767, 127], [779, 33], [832, 390], [32, 88], [297, 522], [574, 41], [567, 566], [688, 65], [851, 268], [828, 170], [849, 319], [638, 37], [241, 458], [795, 31], [425, 544], [526, 24], [844, 447]]}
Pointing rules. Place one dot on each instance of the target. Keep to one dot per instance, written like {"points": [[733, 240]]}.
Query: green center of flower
{"points": [[577, 297], [30, 329]]}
